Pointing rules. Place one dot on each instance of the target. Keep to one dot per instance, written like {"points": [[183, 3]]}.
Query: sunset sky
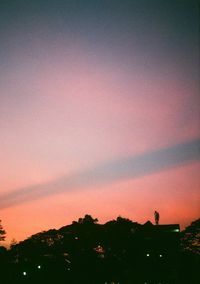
{"points": [[99, 112]]}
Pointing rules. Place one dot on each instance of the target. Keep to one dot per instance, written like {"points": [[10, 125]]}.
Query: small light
{"points": [[176, 230], [68, 269], [39, 266], [24, 273], [160, 255], [147, 254]]}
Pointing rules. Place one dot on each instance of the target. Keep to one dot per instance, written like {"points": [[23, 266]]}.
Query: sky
{"points": [[99, 112]]}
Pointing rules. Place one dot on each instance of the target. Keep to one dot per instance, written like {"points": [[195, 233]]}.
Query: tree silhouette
{"points": [[112, 252], [190, 254], [190, 240], [88, 219], [2, 233]]}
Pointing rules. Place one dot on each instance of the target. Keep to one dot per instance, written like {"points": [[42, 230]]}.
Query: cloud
{"points": [[111, 171]]}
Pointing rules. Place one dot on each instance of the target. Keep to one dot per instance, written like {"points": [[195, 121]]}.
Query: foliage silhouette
{"points": [[190, 237], [2, 233], [88, 252]]}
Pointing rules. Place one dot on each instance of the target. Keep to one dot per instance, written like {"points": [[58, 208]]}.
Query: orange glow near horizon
{"points": [[135, 199]]}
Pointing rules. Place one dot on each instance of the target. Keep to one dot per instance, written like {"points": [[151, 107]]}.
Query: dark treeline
{"points": [[119, 251]]}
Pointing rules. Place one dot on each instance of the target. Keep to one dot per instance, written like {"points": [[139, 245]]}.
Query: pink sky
{"points": [[67, 105]]}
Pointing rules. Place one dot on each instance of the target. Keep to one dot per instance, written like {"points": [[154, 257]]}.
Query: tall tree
{"points": [[190, 239], [2, 233]]}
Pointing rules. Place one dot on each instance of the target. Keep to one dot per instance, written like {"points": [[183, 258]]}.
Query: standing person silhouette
{"points": [[157, 217]]}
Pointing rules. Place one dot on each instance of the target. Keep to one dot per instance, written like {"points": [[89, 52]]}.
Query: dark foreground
{"points": [[118, 252], [150, 271]]}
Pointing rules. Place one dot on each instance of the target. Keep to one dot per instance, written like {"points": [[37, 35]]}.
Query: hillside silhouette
{"points": [[119, 251]]}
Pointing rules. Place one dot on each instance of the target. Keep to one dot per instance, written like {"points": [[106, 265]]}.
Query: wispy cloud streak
{"points": [[131, 167]]}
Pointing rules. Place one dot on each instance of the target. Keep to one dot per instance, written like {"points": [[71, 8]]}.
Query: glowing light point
{"points": [[39, 266], [24, 273], [160, 255], [176, 230], [148, 254]]}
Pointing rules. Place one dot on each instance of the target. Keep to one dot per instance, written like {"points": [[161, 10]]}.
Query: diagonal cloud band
{"points": [[131, 167]]}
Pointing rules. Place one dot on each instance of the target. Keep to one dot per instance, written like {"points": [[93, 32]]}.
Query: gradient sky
{"points": [[99, 112]]}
